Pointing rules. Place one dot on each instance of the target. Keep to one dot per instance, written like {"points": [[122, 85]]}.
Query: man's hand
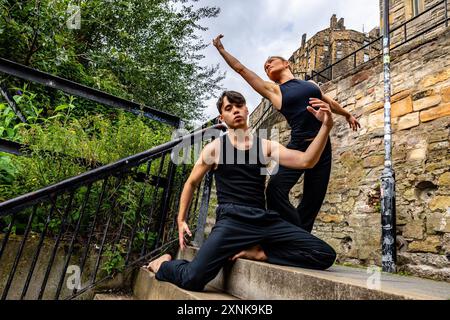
{"points": [[182, 228], [353, 123], [323, 114], [217, 43]]}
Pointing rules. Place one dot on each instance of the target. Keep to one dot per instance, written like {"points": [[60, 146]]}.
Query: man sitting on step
{"points": [[242, 220]]}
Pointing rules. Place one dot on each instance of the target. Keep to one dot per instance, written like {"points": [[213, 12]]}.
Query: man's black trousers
{"points": [[239, 227]]}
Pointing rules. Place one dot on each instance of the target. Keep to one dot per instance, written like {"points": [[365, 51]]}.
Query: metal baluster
{"points": [[155, 195], [16, 261], [97, 263], [91, 232], [177, 200], [203, 213], [138, 213], [55, 247], [197, 197], [38, 250], [6, 238], [164, 208], [69, 254]]}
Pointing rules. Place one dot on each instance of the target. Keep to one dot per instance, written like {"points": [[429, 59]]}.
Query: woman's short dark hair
{"points": [[232, 96]]}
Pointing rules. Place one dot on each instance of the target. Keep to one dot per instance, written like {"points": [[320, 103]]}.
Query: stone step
{"points": [[146, 287], [113, 296], [250, 280]]}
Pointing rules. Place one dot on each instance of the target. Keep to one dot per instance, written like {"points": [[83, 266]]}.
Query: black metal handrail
{"points": [[94, 220], [406, 39], [21, 71]]}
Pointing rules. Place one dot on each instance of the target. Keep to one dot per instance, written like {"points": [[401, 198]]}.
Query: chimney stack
{"points": [[303, 40], [333, 22]]}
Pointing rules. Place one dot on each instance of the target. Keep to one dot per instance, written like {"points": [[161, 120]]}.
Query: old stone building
{"points": [[402, 14], [331, 45], [350, 218]]}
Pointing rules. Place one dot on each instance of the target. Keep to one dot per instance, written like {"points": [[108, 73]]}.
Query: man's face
{"points": [[234, 115], [274, 66]]}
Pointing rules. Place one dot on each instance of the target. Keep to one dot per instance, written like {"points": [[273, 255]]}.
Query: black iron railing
{"points": [[400, 36], [97, 224], [48, 80]]}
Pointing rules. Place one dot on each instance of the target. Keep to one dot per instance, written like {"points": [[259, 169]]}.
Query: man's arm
{"points": [[305, 160], [204, 164], [264, 88]]}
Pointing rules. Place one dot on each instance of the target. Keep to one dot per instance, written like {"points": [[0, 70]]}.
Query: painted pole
{"points": [[388, 223]]}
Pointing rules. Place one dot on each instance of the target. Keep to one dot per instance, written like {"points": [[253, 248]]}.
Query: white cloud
{"points": [[255, 29]]}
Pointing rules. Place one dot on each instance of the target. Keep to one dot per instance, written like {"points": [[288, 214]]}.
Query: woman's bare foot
{"points": [[254, 253], [154, 265]]}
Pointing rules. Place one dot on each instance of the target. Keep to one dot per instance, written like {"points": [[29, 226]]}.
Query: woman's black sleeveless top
{"points": [[295, 98]]}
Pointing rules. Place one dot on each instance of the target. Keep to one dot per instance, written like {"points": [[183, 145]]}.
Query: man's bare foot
{"points": [[154, 265], [254, 253]]}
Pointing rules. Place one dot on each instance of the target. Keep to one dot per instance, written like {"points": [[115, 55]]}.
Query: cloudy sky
{"points": [[255, 29]]}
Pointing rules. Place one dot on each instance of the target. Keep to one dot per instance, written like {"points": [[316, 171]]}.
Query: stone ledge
{"points": [[104, 296], [146, 287], [255, 280]]}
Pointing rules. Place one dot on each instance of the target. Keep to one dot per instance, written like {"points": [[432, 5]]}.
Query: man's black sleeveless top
{"points": [[240, 176], [295, 98]]}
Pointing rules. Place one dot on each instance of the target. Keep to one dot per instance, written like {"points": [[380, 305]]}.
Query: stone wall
{"points": [[401, 11], [350, 217]]}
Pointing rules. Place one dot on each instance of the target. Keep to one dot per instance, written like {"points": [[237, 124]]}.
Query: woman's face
{"points": [[274, 66]]}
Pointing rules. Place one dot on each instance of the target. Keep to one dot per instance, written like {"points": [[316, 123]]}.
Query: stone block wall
{"points": [[401, 11], [350, 217]]}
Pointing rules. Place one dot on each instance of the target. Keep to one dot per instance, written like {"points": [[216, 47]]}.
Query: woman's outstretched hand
{"points": [[353, 123], [217, 43]]}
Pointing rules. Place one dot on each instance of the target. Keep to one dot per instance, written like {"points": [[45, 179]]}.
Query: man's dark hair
{"points": [[232, 96]]}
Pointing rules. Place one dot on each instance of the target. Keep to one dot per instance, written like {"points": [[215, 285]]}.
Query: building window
{"points": [[339, 54], [417, 7], [339, 44], [327, 39], [366, 57], [325, 48]]}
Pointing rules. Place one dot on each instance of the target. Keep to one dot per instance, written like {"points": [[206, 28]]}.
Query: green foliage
{"points": [[8, 123], [115, 261], [7, 170], [144, 50]]}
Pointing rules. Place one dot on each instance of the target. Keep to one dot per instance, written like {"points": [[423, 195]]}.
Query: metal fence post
{"points": [[203, 212]]}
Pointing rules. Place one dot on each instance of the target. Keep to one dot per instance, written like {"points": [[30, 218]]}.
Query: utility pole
{"points": [[388, 221]]}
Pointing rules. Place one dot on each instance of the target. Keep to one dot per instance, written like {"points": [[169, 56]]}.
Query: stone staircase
{"points": [[251, 280]]}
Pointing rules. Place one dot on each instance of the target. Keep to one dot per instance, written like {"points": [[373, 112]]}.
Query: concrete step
{"points": [[112, 296], [146, 287], [250, 280]]}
